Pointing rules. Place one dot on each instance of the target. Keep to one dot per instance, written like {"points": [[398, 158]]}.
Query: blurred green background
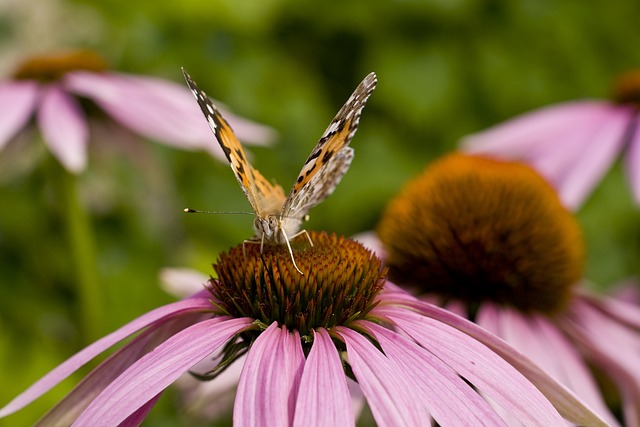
{"points": [[445, 69]]}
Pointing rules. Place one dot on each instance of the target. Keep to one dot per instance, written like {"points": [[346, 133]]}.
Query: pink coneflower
{"points": [[301, 338], [53, 87], [572, 144], [490, 240]]}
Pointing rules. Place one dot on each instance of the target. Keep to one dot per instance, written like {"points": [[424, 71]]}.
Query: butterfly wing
{"points": [[264, 197], [331, 156]]}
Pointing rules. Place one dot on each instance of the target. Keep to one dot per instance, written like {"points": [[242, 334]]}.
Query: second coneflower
{"points": [[301, 338], [491, 240]]}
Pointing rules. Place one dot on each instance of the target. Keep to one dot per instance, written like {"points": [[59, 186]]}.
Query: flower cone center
{"points": [[52, 67], [340, 282], [626, 89], [476, 229]]}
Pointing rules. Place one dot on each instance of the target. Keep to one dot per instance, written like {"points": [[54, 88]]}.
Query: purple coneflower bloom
{"points": [[491, 241], [301, 337], [53, 86], [572, 144]]}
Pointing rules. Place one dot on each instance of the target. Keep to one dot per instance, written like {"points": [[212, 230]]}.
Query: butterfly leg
{"points": [[300, 233], [253, 242], [286, 239]]}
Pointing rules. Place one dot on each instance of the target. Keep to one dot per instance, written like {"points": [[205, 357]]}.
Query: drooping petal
{"points": [[181, 282], [72, 405], [17, 102], [200, 303], [64, 128], [449, 399], [625, 311], [323, 399], [571, 408], [599, 151], [525, 135], [601, 339], [270, 380], [534, 336], [389, 393], [571, 144], [157, 109], [155, 371], [632, 160]]}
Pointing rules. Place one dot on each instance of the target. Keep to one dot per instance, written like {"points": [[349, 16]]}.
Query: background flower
{"points": [[491, 241], [50, 84]]}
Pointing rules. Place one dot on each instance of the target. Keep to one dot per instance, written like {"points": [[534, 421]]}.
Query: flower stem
{"points": [[84, 259]]}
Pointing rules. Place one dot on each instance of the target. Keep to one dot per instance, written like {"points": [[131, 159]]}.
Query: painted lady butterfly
{"points": [[278, 218]]}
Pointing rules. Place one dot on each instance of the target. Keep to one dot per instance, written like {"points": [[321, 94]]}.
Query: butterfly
{"points": [[279, 217]]}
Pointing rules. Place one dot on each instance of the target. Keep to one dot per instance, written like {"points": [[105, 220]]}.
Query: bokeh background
{"points": [[446, 68]]}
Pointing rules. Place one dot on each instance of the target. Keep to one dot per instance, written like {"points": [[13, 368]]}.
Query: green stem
{"points": [[84, 259]]}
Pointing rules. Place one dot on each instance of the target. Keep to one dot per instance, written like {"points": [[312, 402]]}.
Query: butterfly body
{"points": [[279, 217]]}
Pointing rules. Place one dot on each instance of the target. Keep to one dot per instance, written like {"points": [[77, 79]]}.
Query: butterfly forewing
{"points": [[264, 197], [331, 157]]}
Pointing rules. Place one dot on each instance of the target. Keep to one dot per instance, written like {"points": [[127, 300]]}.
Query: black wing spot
{"points": [[313, 155], [240, 169], [239, 153], [227, 152], [307, 173], [327, 156]]}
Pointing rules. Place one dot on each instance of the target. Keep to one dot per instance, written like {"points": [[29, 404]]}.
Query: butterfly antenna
{"points": [[189, 210]]}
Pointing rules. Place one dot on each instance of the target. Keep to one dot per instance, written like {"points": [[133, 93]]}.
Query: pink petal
{"points": [[450, 400], [324, 398], [571, 144], [571, 408], [391, 398], [72, 405], [481, 367], [65, 369], [526, 134], [270, 380], [627, 291], [633, 164], [64, 128], [155, 108], [155, 371], [599, 152], [534, 336], [17, 101], [624, 311], [181, 282], [135, 419], [612, 347], [600, 331]]}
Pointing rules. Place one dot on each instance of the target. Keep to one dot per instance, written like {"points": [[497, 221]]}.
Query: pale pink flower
{"points": [[491, 241], [51, 88], [572, 144], [429, 363]]}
